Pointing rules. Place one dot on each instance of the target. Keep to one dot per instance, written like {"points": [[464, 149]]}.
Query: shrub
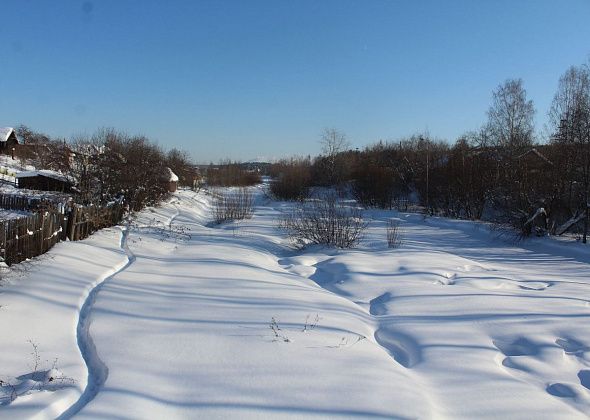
{"points": [[233, 205], [180, 163], [231, 174], [113, 166], [374, 186], [325, 222], [292, 179], [394, 234]]}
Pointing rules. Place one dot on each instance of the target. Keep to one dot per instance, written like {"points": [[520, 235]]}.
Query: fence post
{"points": [[18, 240], [3, 239], [42, 236], [70, 225]]}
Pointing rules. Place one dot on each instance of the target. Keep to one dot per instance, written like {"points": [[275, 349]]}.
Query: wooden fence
{"points": [[29, 236], [33, 204], [50, 223], [85, 220]]}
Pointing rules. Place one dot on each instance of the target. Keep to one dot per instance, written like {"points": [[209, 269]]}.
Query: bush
{"points": [[374, 186], [292, 180], [233, 205], [231, 175], [325, 222], [394, 235], [180, 163], [112, 166]]}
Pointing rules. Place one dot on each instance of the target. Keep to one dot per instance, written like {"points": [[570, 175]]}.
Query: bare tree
{"points": [[333, 143], [570, 120], [84, 168], [510, 117], [43, 151], [509, 133]]}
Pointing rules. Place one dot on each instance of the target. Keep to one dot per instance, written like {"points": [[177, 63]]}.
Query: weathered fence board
{"points": [[85, 220], [29, 236]]}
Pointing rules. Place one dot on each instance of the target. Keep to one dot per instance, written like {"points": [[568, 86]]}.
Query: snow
{"points": [[43, 172], [171, 317], [14, 165], [172, 177], [9, 168], [5, 132]]}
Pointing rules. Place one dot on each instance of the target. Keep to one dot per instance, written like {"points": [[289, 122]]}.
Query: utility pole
{"points": [[427, 175]]}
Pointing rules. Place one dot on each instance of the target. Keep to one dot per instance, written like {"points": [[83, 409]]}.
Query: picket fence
{"points": [[51, 222]]}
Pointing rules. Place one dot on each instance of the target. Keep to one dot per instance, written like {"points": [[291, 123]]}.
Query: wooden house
{"points": [[8, 140], [534, 161], [44, 180]]}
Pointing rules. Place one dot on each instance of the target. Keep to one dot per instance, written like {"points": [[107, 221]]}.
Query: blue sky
{"points": [[241, 79]]}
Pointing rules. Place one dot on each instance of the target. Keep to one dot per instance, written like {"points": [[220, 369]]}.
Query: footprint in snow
{"points": [[584, 376], [403, 348], [534, 285], [507, 284], [516, 347], [474, 267], [561, 390], [571, 346], [297, 266], [447, 279], [377, 306]]}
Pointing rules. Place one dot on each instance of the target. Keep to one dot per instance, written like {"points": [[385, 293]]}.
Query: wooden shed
{"points": [[44, 180], [172, 179], [8, 140]]}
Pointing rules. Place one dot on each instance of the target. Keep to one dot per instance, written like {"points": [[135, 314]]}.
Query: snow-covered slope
{"points": [[176, 318]]}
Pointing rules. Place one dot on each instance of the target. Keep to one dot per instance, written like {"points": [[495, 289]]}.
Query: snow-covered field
{"points": [[171, 317]]}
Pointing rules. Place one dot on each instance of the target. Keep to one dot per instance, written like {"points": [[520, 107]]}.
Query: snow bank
{"points": [[39, 303], [229, 321]]}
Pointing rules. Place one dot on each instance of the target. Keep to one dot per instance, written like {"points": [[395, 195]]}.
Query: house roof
{"points": [[535, 152], [45, 173], [5, 133]]}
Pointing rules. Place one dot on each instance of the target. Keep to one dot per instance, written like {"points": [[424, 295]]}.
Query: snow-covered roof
{"points": [[172, 177], [5, 132], [43, 172]]}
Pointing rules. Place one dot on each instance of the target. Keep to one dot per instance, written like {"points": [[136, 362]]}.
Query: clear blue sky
{"points": [[242, 79]]}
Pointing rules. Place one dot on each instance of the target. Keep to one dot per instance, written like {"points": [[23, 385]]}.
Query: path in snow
{"points": [[98, 371], [453, 324], [192, 320]]}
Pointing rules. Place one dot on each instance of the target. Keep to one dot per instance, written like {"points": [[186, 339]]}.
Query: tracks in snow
{"points": [[403, 349], [327, 274], [98, 371]]}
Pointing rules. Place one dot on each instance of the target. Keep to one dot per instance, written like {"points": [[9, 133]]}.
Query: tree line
{"points": [[109, 165], [501, 172]]}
